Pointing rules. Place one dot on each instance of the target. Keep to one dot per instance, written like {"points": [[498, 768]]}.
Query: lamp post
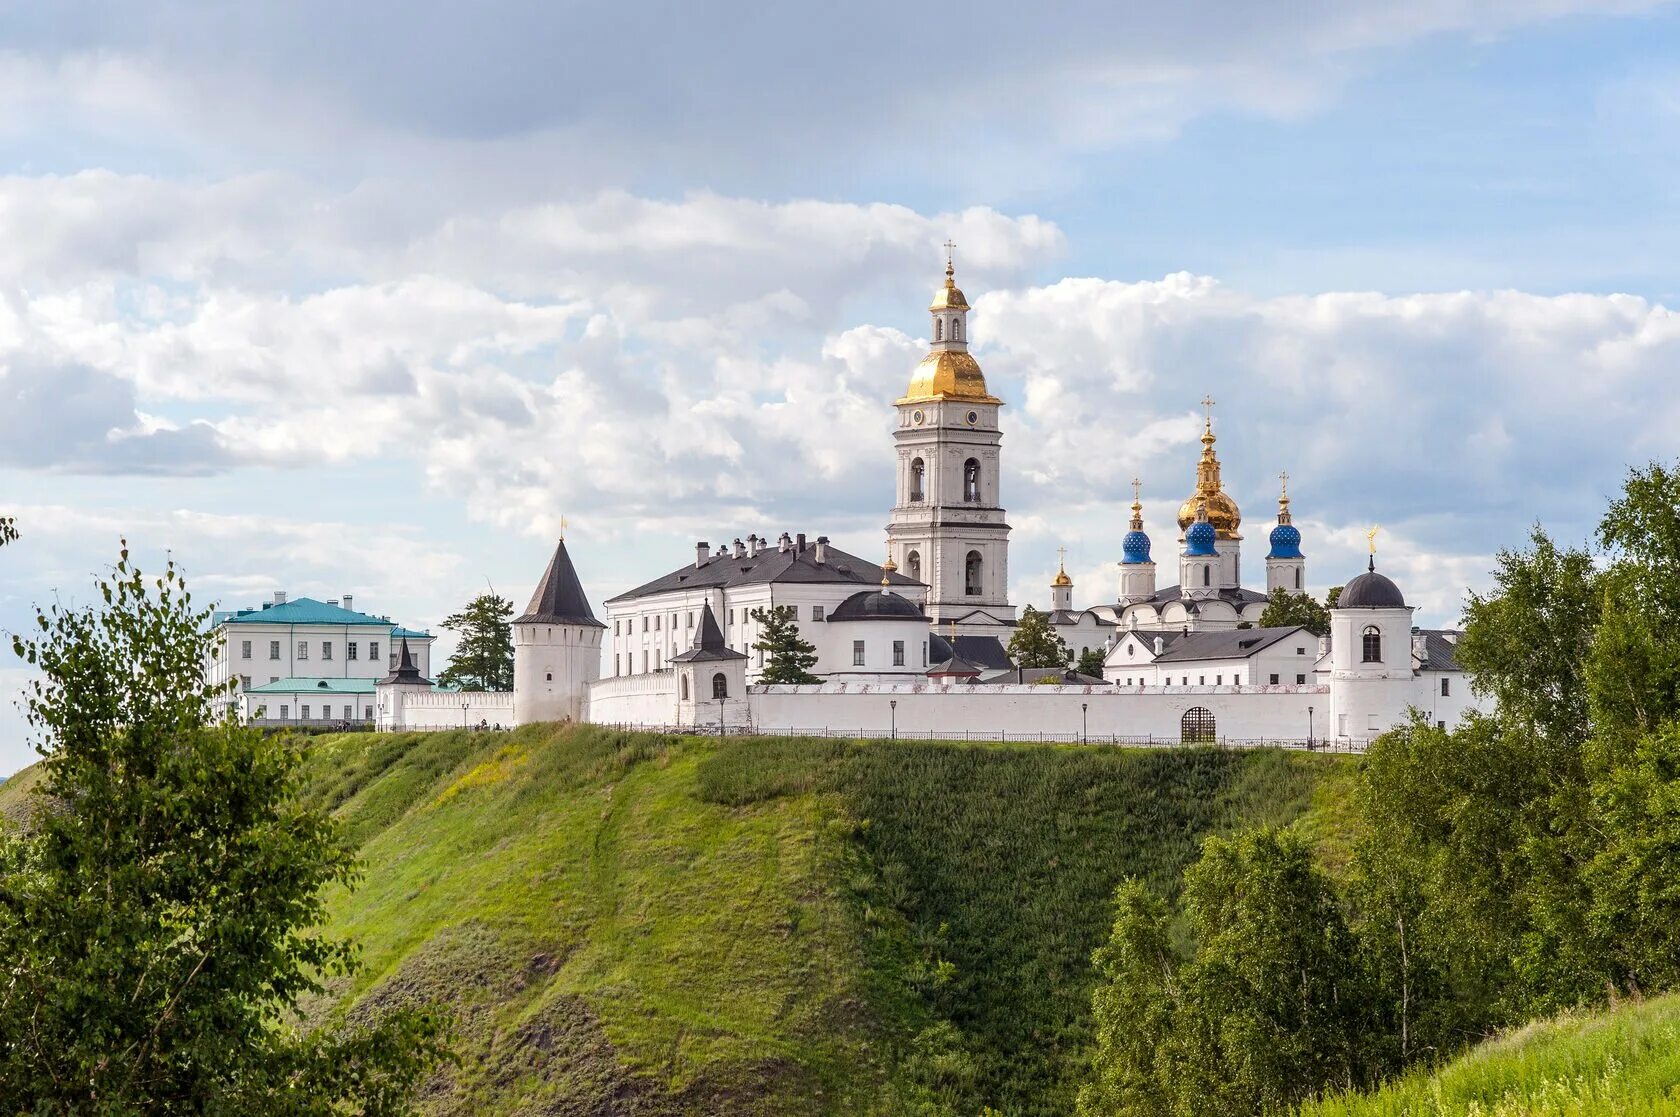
{"points": [[722, 732], [1309, 726], [1083, 737], [463, 713], [894, 704]]}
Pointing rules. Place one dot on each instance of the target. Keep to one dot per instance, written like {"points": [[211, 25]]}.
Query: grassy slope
{"points": [[631, 924], [1625, 1062]]}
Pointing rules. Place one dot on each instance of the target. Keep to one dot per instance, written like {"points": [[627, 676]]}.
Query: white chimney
{"points": [[1158, 645], [784, 544], [333, 601], [822, 549], [1323, 646], [702, 551], [740, 548], [279, 597], [349, 602]]}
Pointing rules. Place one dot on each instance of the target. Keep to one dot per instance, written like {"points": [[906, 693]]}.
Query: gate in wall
{"points": [[1197, 726]]}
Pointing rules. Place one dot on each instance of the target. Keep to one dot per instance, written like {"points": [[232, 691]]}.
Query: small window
{"points": [[1300, 651], [373, 651], [685, 686], [349, 712], [857, 653], [615, 664], [367, 713], [973, 574], [615, 628], [274, 649], [1201, 680], [971, 481], [1372, 644], [1300, 680], [1446, 688], [956, 329], [816, 612], [303, 649], [731, 616], [1297, 578], [1440, 725], [245, 681], [1207, 575], [1219, 680], [285, 712], [274, 678], [691, 618], [656, 624], [645, 658], [898, 653], [350, 649], [938, 324], [1371, 722], [303, 713], [244, 649], [548, 677], [1274, 680], [326, 649], [720, 686], [644, 624]]}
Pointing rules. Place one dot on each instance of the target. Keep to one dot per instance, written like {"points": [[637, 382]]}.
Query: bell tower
{"points": [[947, 527]]}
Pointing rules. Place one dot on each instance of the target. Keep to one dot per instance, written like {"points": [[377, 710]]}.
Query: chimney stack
{"points": [[349, 602], [1158, 643], [279, 597], [333, 601], [822, 549], [784, 544], [702, 551], [799, 543], [740, 548]]}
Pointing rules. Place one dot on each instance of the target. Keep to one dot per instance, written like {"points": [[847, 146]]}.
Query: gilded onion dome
{"points": [[1222, 511], [1062, 578], [949, 371]]}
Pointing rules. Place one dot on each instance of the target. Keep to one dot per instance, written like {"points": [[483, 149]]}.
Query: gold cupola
{"points": [[1222, 511], [949, 371]]}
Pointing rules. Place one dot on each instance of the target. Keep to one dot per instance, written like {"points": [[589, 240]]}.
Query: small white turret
{"points": [[1137, 569]]}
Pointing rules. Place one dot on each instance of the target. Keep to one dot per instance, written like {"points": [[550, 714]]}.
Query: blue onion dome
{"points": [[1286, 542], [1199, 540], [1135, 547]]}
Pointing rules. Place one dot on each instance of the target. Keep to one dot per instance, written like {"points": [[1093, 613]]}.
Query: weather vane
{"points": [[1371, 537]]}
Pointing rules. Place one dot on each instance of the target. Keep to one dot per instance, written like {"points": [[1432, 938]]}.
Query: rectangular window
{"points": [[1274, 679], [1300, 651], [367, 713], [615, 663], [1236, 680], [350, 649], [349, 712], [1300, 680], [274, 649], [1445, 688], [274, 678], [303, 649], [326, 649], [244, 649], [245, 681], [1440, 725], [615, 627], [1201, 680], [303, 712], [656, 621], [731, 616], [645, 657], [898, 653], [285, 713], [816, 612], [373, 650], [857, 653], [691, 618], [1341, 725], [1371, 722], [1219, 680], [644, 624], [673, 622]]}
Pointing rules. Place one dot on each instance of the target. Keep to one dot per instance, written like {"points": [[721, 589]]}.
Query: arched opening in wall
{"points": [[918, 473], [1297, 578], [956, 329], [913, 565], [971, 481], [720, 686], [1372, 644], [685, 686], [938, 325], [972, 572], [1207, 575], [1197, 726]]}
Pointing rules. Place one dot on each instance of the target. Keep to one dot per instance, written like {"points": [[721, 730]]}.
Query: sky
{"points": [[367, 298]]}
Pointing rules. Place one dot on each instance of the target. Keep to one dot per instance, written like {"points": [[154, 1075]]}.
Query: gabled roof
{"points": [[306, 686], [1237, 597], [303, 610], [1067, 676], [1440, 649], [769, 565], [985, 652], [708, 645], [1074, 616], [559, 597], [406, 674], [400, 633], [1238, 643]]}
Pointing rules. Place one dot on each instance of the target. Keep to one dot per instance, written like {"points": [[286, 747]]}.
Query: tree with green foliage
{"points": [[157, 913], [483, 658], [1090, 663], [1034, 643], [1271, 1006], [1285, 609], [8, 531], [788, 656]]}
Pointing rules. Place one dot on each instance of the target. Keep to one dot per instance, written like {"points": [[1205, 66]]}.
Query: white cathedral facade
{"points": [[917, 643]]}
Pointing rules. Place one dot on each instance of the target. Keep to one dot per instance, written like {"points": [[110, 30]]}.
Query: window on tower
{"points": [[938, 324], [1372, 644], [1297, 577], [913, 565], [972, 574], [720, 686], [956, 329], [918, 471], [1207, 575], [971, 481]]}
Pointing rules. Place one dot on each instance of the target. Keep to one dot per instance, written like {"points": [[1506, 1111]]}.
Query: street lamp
{"points": [[722, 732], [894, 704], [1309, 726], [1083, 738]]}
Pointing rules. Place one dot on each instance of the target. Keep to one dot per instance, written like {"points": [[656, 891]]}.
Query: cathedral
{"points": [[918, 642]]}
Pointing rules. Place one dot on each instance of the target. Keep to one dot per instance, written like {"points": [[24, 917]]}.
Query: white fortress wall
{"points": [[433, 709], [641, 699]]}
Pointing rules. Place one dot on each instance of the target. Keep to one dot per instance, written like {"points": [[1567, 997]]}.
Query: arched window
{"points": [[720, 686], [918, 471], [938, 324], [971, 481], [1197, 726], [1373, 644], [971, 574], [913, 565], [956, 329], [1297, 577], [685, 686], [1207, 575]]}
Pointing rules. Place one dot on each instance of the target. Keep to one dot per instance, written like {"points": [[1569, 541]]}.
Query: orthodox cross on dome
{"points": [[1061, 557], [1137, 490], [1207, 410], [950, 250], [1283, 478]]}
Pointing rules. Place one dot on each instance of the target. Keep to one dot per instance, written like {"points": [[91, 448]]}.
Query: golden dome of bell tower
{"points": [[1222, 511], [949, 371]]}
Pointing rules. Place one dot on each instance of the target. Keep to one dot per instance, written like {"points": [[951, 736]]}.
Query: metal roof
{"points": [[302, 685], [867, 605], [559, 597], [1440, 649], [304, 610], [1240, 643], [708, 645], [769, 565]]}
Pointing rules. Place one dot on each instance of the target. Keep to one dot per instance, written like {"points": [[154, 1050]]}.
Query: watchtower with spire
{"points": [[947, 527], [556, 647], [1286, 566]]}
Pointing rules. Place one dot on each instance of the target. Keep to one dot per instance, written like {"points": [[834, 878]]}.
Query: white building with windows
{"points": [[305, 662]]}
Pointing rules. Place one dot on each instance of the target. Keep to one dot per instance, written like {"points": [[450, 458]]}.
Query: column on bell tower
{"points": [[947, 527]]}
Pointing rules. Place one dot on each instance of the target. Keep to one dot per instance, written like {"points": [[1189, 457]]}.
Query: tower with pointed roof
{"points": [[1222, 511], [1137, 569], [1286, 566], [556, 647], [1061, 588], [947, 527]]}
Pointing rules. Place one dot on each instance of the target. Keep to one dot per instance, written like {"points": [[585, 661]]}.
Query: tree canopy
{"points": [[1090, 663], [1034, 643], [788, 656], [1285, 609], [157, 912], [483, 658]]}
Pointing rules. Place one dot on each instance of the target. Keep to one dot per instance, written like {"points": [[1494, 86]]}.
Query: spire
{"points": [[1283, 498], [1223, 512], [406, 674], [559, 597], [1137, 504], [708, 643], [1062, 578]]}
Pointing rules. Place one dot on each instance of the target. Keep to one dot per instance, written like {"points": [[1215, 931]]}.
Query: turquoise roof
{"points": [[316, 686], [305, 610], [409, 633]]}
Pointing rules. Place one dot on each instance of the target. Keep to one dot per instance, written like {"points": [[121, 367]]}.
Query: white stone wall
{"points": [[553, 667], [642, 699], [401, 708]]}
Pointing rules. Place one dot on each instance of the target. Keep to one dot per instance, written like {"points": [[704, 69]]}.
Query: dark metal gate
{"points": [[1197, 726]]}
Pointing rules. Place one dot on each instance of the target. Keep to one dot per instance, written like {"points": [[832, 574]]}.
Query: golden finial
{"points": [[1371, 537], [562, 529], [1137, 504], [1207, 410], [1283, 497], [888, 568], [950, 267], [1062, 578]]}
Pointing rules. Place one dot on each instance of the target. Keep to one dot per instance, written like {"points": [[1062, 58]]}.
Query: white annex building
{"points": [[916, 645]]}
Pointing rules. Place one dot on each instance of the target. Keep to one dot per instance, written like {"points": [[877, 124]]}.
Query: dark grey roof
{"points": [[708, 642], [406, 674], [1371, 591], [1066, 675], [877, 605], [1232, 644], [1073, 616], [1168, 639], [985, 652], [559, 596], [955, 665], [1440, 649], [1237, 597], [769, 565]]}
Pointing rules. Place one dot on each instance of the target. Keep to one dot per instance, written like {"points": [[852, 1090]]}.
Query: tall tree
{"points": [[483, 659], [788, 656], [1090, 663], [1284, 609], [1034, 643], [158, 913]]}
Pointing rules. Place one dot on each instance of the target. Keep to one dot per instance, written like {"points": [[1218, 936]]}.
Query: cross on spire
{"points": [[1061, 557], [1284, 478], [1207, 408], [1137, 490], [950, 250]]}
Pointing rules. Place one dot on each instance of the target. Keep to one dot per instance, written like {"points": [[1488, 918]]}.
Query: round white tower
{"points": [[1061, 589], [1370, 656], [1286, 566], [1137, 569], [556, 648]]}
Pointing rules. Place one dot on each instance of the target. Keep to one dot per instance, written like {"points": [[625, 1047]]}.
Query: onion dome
{"points": [[1371, 591], [950, 296], [1199, 540], [1135, 547], [1062, 578], [949, 371], [1222, 511], [1286, 537]]}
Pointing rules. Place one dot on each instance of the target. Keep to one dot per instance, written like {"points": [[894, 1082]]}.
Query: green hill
{"points": [[1625, 1061], [633, 924]]}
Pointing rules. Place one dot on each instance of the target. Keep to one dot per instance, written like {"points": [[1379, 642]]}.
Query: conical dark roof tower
{"points": [[708, 644], [406, 674], [559, 596]]}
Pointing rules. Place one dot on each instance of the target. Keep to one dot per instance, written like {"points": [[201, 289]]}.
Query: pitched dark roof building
{"points": [[559, 597], [800, 562], [405, 674], [1238, 643], [708, 645]]}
